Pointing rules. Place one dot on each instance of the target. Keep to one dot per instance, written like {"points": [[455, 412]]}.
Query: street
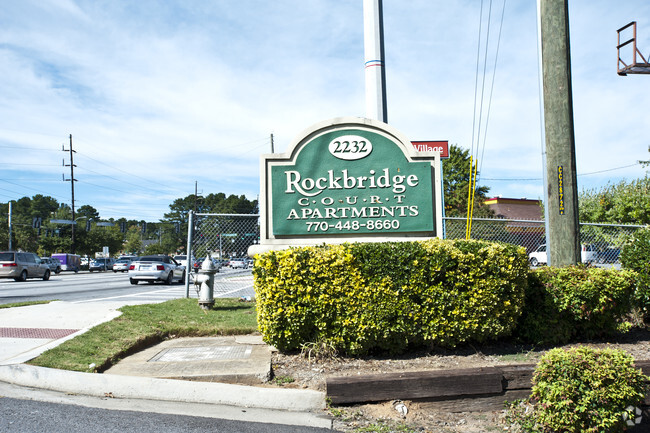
{"points": [[110, 286], [30, 410]]}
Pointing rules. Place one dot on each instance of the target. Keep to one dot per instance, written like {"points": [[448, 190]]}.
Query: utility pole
{"points": [[9, 225], [272, 145], [562, 187], [72, 181]]}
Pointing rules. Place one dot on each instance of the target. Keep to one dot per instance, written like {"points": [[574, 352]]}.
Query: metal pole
{"points": [[190, 235], [562, 194], [373, 28]]}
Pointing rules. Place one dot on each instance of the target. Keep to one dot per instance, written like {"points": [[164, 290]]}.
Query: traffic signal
{"points": [[87, 225], [123, 226], [144, 227]]}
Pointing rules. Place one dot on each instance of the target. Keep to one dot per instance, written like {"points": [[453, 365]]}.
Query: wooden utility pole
{"points": [[562, 188]]}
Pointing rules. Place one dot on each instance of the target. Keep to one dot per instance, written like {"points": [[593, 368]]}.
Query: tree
{"points": [[88, 212], [455, 181], [212, 203], [97, 238], [133, 242], [620, 203]]}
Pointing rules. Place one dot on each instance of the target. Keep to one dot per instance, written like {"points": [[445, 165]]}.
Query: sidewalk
{"points": [[203, 364]]}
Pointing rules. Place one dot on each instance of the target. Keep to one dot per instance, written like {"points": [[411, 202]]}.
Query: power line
{"points": [[34, 189], [580, 174]]}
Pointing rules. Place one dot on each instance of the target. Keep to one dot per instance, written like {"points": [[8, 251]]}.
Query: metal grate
{"points": [[180, 354], [45, 333]]}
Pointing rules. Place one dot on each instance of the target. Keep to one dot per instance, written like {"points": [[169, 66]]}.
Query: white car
{"points": [[156, 268], [238, 263], [539, 257]]}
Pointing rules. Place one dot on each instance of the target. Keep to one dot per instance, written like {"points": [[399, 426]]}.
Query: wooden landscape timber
{"points": [[461, 390]]}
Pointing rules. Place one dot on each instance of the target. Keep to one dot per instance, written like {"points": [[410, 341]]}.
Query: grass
{"points": [[24, 304], [141, 326]]}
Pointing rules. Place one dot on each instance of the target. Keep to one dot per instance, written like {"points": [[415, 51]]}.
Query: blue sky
{"points": [[159, 95]]}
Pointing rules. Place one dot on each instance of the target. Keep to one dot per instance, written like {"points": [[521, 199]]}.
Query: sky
{"points": [[162, 97]]}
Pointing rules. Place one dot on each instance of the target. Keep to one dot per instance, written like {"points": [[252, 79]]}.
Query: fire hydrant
{"points": [[205, 279]]}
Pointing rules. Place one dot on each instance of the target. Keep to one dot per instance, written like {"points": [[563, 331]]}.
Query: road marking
{"points": [[152, 293]]}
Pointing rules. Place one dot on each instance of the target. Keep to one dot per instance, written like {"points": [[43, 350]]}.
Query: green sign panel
{"points": [[351, 181]]}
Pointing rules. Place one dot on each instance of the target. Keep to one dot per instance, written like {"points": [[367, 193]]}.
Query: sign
{"points": [[349, 180], [432, 146], [560, 186]]}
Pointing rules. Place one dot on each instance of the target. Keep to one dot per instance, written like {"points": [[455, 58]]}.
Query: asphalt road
{"points": [[31, 416], [105, 286]]}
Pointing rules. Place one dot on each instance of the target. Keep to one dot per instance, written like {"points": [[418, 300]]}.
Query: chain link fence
{"points": [[224, 238], [606, 240]]}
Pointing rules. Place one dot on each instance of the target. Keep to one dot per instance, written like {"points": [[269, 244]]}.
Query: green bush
{"points": [[635, 255], [586, 390], [575, 302], [365, 297]]}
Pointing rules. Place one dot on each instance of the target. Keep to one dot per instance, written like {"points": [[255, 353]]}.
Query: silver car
{"points": [[20, 266], [122, 265], [156, 268], [53, 263]]}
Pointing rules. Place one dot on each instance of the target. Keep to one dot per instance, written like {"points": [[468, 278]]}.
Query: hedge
{"points": [[387, 297], [575, 302]]}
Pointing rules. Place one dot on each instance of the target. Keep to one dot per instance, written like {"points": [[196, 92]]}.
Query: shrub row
{"points": [[635, 255], [565, 304], [365, 297]]}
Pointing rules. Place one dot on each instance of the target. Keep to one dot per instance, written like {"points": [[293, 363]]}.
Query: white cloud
{"points": [[158, 95]]}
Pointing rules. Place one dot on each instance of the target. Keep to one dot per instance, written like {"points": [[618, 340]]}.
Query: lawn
{"points": [[141, 326]]}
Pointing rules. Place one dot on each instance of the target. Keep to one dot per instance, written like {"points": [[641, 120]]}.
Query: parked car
{"points": [[610, 255], [122, 265], [69, 262], [156, 268], [196, 264], [52, 263], [22, 265], [539, 256], [101, 264], [182, 260], [238, 263]]}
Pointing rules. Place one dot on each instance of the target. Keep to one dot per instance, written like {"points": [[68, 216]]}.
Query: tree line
{"points": [[32, 228]]}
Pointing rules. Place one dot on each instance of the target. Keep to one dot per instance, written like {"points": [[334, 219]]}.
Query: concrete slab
{"points": [[208, 359], [33, 329], [147, 388]]}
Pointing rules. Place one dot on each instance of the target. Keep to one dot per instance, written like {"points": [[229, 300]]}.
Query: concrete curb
{"points": [[99, 385]]}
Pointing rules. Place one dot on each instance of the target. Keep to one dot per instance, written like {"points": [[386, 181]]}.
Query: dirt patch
{"points": [[310, 371]]}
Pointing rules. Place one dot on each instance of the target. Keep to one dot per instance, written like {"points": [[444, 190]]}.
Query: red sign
{"points": [[428, 146]]}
